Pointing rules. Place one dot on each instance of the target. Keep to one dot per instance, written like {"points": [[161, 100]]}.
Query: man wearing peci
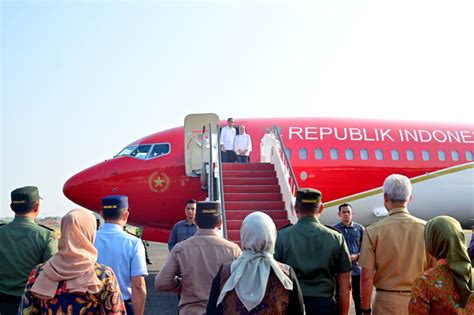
{"points": [[124, 253]]}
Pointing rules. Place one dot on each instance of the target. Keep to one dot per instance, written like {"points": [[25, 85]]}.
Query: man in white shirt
{"points": [[227, 141], [242, 145]]}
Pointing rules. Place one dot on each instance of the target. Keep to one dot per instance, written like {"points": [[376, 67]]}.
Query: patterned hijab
{"points": [[444, 238], [250, 272], [75, 260]]}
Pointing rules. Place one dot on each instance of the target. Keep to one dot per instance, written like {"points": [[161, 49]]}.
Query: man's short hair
{"points": [[208, 214], [345, 205], [308, 200], [24, 199], [229, 119], [397, 188], [190, 201], [113, 207]]}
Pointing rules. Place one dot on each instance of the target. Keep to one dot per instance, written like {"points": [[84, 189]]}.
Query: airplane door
{"points": [[196, 142]]}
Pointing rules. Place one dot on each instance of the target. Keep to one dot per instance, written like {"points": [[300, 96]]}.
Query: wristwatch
{"points": [[366, 311]]}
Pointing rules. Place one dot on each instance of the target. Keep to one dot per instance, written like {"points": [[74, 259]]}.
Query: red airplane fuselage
{"points": [[340, 157]]}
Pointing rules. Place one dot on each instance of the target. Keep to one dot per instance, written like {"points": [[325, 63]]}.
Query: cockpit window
{"points": [[159, 149], [141, 152], [146, 151], [126, 151]]}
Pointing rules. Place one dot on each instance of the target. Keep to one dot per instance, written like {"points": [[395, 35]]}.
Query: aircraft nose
{"points": [[85, 188]]}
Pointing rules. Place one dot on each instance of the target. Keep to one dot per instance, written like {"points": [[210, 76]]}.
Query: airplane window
{"points": [[426, 155], [455, 155], [469, 155], [141, 152], [159, 149], [349, 154], [126, 151], [318, 154], [441, 155], [288, 153], [303, 153], [334, 153], [395, 155], [410, 155], [364, 154], [379, 154]]}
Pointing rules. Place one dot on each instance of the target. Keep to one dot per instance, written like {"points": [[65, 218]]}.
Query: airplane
{"points": [[346, 159]]}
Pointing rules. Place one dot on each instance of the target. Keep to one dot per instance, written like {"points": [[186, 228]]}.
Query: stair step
{"points": [[254, 205], [236, 224], [231, 189], [252, 197], [250, 181], [248, 174], [247, 166], [241, 214]]}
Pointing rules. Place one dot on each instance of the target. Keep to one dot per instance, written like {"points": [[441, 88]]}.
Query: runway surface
{"points": [[167, 303]]}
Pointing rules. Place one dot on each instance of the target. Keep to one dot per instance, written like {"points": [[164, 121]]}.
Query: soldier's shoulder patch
{"points": [[332, 228], [45, 227]]}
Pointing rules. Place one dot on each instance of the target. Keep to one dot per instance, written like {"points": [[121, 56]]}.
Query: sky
{"points": [[82, 79]]}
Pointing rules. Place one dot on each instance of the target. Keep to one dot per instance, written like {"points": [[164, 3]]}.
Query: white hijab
{"points": [[250, 272]]}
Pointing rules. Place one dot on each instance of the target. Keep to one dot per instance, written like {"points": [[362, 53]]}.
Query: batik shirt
{"points": [[434, 292], [108, 301]]}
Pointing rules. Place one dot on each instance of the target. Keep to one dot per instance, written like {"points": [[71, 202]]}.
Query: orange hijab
{"points": [[75, 260]]}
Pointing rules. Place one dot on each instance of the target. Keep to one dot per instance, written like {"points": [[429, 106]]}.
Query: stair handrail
{"points": [[221, 184], [292, 180], [285, 174]]}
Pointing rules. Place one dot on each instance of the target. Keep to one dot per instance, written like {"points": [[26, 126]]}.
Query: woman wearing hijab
{"points": [[255, 282], [447, 287], [71, 282]]}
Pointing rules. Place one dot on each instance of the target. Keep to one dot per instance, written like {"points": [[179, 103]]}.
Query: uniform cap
{"points": [[117, 202], [309, 196], [23, 197]]}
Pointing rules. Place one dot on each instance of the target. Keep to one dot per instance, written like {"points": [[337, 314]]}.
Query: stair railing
{"points": [[220, 186], [286, 176]]}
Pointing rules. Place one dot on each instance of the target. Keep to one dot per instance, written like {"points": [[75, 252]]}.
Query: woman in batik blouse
{"points": [[447, 288], [71, 282]]}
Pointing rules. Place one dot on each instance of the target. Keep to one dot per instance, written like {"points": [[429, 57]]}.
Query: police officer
{"points": [[25, 244], [198, 260], [318, 255], [124, 253]]}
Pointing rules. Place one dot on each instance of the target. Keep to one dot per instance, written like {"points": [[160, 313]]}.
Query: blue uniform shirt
{"points": [[353, 236], [180, 232], [124, 253]]}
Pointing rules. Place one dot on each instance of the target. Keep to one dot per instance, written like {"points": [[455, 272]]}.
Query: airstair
{"points": [[241, 188]]}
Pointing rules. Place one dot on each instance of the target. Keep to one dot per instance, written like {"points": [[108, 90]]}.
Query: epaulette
{"points": [[285, 226], [332, 228], [48, 228]]}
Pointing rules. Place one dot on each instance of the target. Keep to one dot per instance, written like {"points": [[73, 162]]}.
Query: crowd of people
{"points": [[416, 267]]}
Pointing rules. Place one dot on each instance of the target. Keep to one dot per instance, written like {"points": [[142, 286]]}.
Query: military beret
{"points": [[116, 202], [23, 197], [308, 196]]}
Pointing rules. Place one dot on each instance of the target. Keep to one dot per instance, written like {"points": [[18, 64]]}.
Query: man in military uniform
{"points": [[198, 260], [318, 255], [123, 252], [25, 244], [393, 252]]}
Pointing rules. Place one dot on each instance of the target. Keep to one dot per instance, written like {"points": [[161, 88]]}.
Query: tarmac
{"points": [[158, 302]]}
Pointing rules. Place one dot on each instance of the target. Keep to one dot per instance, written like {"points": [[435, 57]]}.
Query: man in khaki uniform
{"points": [[193, 263], [393, 252], [24, 244]]}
